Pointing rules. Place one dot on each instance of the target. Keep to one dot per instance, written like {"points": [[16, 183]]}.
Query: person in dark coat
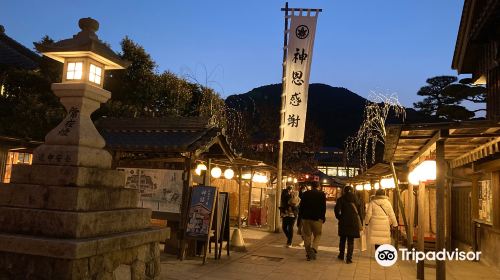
{"points": [[312, 212], [348, 212]]}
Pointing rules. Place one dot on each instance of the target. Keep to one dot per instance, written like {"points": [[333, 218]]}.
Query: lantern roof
{"points": [[85, 43]]}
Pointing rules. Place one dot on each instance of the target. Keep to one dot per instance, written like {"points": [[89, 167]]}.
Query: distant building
{"points": [[14, 150], [333, 162]]}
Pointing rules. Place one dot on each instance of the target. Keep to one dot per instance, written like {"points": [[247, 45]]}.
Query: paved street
{"points": [[267, 258]]}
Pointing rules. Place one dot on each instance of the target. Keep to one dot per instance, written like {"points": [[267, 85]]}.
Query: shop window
{"points": [[485, 205], [15, 158]]}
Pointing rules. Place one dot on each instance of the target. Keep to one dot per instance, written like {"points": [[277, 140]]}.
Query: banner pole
{"points": [[282, 128]]}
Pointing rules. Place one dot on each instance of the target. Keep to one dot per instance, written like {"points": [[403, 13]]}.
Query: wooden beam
{"points": [[441, 172], [424, 149]]}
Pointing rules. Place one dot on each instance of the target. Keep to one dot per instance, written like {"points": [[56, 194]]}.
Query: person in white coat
{"points": [[379, 219]]}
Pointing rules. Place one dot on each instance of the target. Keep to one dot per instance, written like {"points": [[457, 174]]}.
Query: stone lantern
{"points": [[68, 216], [75, 141]]}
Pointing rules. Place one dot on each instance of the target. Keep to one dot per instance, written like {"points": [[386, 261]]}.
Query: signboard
{"points": [[298, 63], [200, 212], [161, 189], [222, 223]]}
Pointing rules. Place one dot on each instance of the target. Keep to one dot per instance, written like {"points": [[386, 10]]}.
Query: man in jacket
{"points": [[312, 212], [348, 212]]}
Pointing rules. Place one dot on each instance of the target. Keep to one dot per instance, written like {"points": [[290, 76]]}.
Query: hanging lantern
{"points": [[197, 171], [216, 172], [228, 174], [359, 187], [387, 183], [376, 185], [427, 170], [367, 187], [201, 167], [413, 177], [246, 176]]}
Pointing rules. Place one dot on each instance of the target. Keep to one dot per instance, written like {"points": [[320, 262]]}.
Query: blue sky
{"points": [[389, 45]]}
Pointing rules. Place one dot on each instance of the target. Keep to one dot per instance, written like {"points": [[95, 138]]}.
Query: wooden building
{"points": [[461, 205], [477, 49]]}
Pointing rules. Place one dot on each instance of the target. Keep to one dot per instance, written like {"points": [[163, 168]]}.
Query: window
{"points": [[332, 171], [95, 74], [12, 159], [74, 71], [322, 169], [342, 172]]}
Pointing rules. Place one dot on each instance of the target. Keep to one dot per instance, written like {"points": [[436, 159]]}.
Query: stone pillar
{"points": [[68, 216]]}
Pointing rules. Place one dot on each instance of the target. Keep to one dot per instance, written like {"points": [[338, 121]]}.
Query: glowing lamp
{"points": [[413, 177], [427, 170], [201, 167], [367, 187], [216, 172], [84, 56], [359, 187], [197, 171], [228, 174], [387, 183], [246, 176], [376, 185]]}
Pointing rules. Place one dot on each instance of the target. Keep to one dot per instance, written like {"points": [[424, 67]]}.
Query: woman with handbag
{"points": [[348, 212], [380, 217]]}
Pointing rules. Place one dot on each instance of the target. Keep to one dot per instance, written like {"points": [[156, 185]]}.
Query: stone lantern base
{"points": [[75, 232], [68, 216]]}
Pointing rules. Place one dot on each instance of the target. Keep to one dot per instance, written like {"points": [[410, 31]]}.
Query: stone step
{"points": [[67, 198], [70, 224], [79, 248], [56, 175]]}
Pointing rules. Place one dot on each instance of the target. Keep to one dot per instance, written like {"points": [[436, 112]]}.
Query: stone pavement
{"points": [[267, 258]]}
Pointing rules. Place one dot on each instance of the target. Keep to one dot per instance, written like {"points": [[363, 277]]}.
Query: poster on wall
{"points": [[161, 189]]}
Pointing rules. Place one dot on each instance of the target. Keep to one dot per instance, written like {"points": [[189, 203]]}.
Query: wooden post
{"points": [[411, 213], [440, 204], [421, 228], [239, 197], [403, 213], [282, 126], [208, 172], [250, 195], [187, 182]]}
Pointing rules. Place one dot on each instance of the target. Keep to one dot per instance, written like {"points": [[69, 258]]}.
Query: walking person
{"points": [[348, 212], [312, 212], [302, 190], [290, 213], [380, 217]]}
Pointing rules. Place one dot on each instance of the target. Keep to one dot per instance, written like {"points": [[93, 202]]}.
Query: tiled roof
{"points": [[14, 54], [159, 135]]}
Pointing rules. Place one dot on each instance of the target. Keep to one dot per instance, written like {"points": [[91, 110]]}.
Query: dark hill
{"points": [[336, 112]]}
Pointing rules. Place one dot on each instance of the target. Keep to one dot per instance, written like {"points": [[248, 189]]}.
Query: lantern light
{"points": [[367, 187], [228, 174], [216, 172], [259, 178], [197, 171], [201, 167], [376, 185], [359, 187], [295, 180], [246, 176], [427, 170], [387, 183], [413, 177], [290, 179]]}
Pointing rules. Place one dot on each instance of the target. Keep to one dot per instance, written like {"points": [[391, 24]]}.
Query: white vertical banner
{"points": [[298, 65]]}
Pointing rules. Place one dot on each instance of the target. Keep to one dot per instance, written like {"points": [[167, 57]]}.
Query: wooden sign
{"points": [[200, 212], [222, 224]]}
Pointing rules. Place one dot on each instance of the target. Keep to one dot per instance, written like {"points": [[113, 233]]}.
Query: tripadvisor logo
{"points": [[387, 255]]}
